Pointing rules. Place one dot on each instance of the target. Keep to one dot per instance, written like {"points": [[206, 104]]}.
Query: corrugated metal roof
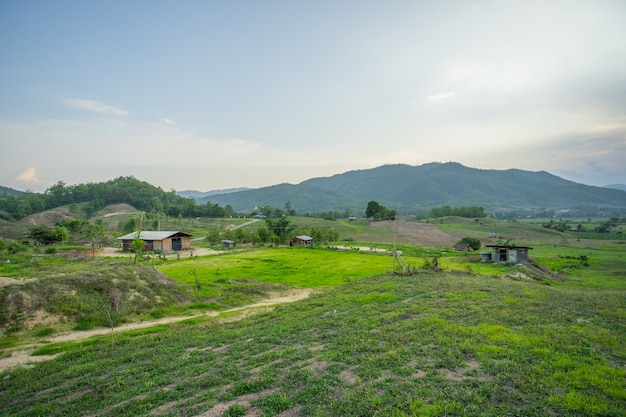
{"points": [[151, 235], [304, 237]]}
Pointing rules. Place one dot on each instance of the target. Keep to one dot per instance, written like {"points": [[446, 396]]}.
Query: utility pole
{"points": [[395, 231]]}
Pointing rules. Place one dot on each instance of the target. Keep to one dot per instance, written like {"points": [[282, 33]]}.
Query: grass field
{"points": [[461, 342], [434, 344], [300, 267]]}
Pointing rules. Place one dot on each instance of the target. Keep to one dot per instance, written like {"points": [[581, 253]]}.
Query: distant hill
{"points": [[616, 186], [196, 195], [410, 189], [405, 188], [10, 191]]}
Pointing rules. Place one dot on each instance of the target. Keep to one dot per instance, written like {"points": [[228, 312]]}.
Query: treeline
{"points": [[279, 231], [609, 226], [444, 211], [139, 194], [330, 215]]}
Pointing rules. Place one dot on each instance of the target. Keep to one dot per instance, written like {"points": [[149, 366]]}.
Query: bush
{"points": [[473, 242], [43, 332], [15, 247]]}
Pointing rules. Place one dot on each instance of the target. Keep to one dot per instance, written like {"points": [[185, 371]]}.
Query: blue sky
{"points": [[216, 94]]}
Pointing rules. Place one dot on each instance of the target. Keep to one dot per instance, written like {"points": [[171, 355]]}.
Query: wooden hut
{"points": [[165, 241], [302, 240]]}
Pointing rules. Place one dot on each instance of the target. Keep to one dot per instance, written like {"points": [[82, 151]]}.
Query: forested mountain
{"points": [[616, 186], [411, 189], [304, 198], [451, 183], [9, 191], [404, 188]]}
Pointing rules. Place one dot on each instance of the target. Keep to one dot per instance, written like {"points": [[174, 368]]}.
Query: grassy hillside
{"points": [[433, 344], [474, 339]]}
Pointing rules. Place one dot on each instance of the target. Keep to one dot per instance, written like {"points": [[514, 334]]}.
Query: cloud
{"points": [[439, 97], [29, 177], [168, 121], [93, 106]]}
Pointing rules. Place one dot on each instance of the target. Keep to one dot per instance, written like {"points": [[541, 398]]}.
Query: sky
{"points": [[210, 95]]}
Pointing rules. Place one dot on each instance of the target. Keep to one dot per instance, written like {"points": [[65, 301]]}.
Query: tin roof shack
{"points": [[508, 253], [166, 241], [302, 240], [228, 244]]}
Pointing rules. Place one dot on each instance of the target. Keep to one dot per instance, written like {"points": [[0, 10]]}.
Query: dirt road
{"points": [[23, 356]]}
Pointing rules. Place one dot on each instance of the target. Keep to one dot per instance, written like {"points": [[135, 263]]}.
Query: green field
{"points": [[460, 342], [435, 344], [298, 267]]}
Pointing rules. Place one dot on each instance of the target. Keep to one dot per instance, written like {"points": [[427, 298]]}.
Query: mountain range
{"points": [[413, 189], [405, 188]]}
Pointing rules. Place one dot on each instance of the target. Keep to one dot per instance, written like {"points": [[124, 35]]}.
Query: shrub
{"points": [[473, 242], [235, 410]]}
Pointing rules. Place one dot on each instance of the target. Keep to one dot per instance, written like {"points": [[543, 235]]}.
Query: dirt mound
{"points": [[423, 234], [530, 272], [115, 209]]}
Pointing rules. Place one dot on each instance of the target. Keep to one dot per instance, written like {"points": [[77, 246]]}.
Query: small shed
{"points": [[164, 241], [228, 244], [302, 240], [507, 253]]}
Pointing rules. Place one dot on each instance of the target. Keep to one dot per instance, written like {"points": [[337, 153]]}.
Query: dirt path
{"points": [[172, 255], [23, 356], [4, 281]]}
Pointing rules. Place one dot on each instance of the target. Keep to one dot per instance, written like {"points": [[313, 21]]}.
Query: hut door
{"points": [[177, 243]]}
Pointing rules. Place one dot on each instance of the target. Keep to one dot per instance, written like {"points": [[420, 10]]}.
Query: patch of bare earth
{"points": [[423, 234], [12, 281], [244, 400], [461, 374]]}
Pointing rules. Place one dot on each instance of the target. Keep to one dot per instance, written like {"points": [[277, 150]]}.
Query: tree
{"points": [[373, 207], [473, 242], [41, 234], [290, 211], [137, 247], [279, 227], [378, 211], [59, 234]]}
